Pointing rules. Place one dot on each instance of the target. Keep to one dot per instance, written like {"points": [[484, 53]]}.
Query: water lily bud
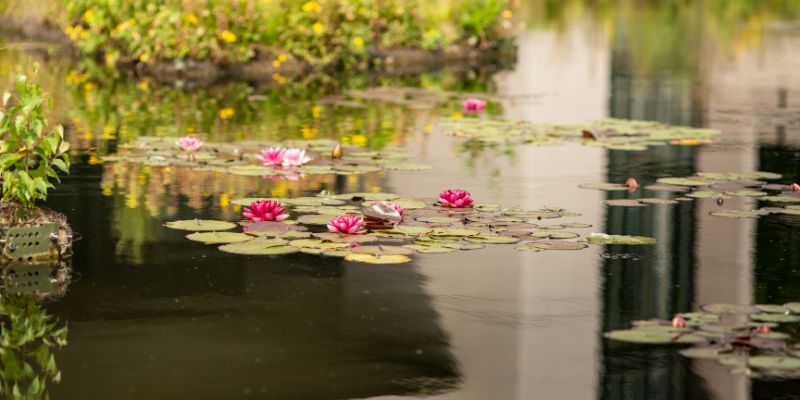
{"points": [[631, 184], [679, 322], [337, 152], [763, 329]]}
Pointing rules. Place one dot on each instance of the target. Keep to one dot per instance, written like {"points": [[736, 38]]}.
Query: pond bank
{"points": [[389, 62]]}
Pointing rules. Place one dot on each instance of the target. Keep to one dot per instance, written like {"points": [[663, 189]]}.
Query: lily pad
{"points": [[667, 188], [439, 220], [552, 245], [625, 203], [653, 337], [251, 170], [747, 193], [200, 225], [733, 309], [774, 362], [429, 249], [406, 167], [651, 200], [382, 250], [494, 239], [780, 318], [256, 248], [411, 230], [340, 238], [378, 259], [771, 308], [707, 194], [684, 181], [219, 237], [554, 234], [602, 238], [313, 201], [793, 307], [314, 219], [705, 353], [739, 213]]}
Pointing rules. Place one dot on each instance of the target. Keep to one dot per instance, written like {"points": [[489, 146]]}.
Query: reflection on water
{"points": [[158, 316]]}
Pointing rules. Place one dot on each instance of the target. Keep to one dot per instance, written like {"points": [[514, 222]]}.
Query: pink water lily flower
{"points": [[631, 184], [189, 143], [271, 156], [294, 158], [347, 224], [474, 106], [265, 210], [455, 198], [679, 322], [400, 210], [763, 329], [795, 187]]}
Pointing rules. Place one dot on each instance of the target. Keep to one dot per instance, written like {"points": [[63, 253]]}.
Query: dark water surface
{"points": [[153, 315]]}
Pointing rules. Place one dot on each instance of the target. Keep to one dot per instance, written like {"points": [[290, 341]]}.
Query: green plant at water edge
{"points": [[478, 18], [27, 335], [31, 154]]}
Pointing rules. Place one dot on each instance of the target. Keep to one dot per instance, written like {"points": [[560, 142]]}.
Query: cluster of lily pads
{"points": [[385, 228], [757, 340], [615, 134], [285, 160], [717, 186]]}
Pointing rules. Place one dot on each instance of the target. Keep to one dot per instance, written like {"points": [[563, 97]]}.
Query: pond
{"points": [[153, 315]]}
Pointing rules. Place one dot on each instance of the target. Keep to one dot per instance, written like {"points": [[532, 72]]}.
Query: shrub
{"points": [[31, 154]]}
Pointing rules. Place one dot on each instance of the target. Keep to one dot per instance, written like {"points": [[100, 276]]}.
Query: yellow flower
{"points": [[228, 36], [191, 19], [144, 58], [75, 32], [226, 113], [358, 41], [318, 28], [456, 115], [276, 63], [282, 58], [312, 6], [107, 191], [316, 111], [87, 16], [359, 140], [279, 78], [224, 200], [144, 86], [507, 14], [88, 87]]}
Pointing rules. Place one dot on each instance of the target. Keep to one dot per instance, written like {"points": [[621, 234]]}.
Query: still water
{"points": [[153, 315]]}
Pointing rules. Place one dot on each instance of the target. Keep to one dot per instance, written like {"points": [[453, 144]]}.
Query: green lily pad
{"points": [[429, 249], [771, 308], [336, 252], [378, 196], [486, 207], [782, 199], [439, 220], [705, 353], [667, 188], [411, 230], [707, 194], [317, 244], [739, 213], [257, 248], [200, 225], [382, 250], [774, 362], [340, 238], [492, 239], [314, 219], [378, 259], [651, 200], [793, 307], [537, 214], [602, 238], [410, 204], [625, 203], [219, 237], [453, 232], [552, 245], [554, 234], [780, 318], [747, 193], [463, 246], [576, 225], [653, 337], [734, 309], [684, 181], [313, 201], [290, 235]]}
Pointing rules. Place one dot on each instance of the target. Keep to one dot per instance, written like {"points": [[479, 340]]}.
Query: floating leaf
{"points": [[411, 230], [382, 250], [439, 220], [625, 203], [739, 213], [707, 194], [705, 353], [494, 239], [406, 167], [340, 238], [219, 237], [314, 219], [684, 181], [378, 259], [602, 238], [429, 249], [552, 245], [782, 199], [554, 234], [486, 207], [781, 318], [251, 170], [793, 307], [653, 337], [774, 362], [271, 228], [254, 248], [317, 244], [771, 308], [313, 201], [735, 309], [747, 193], [650, 200], [200, 225], [667, 188]]}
